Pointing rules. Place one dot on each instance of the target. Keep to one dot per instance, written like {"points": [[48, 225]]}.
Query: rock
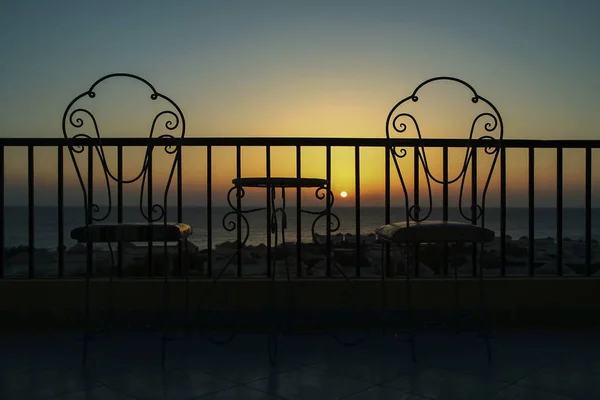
{"points": [[79, 248], [549, 241], [39, 255], [369, 239], [465, 269], [336, 239], [512, 260], [550, 268], [311, 259], [517, 249], [259, 250], [545, 254], [349, 239], [317, 269], [580, 267], [424, 270], [226, 247]]}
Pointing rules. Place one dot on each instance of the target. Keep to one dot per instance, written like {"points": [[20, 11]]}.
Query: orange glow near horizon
{"points": [[313, 164]]}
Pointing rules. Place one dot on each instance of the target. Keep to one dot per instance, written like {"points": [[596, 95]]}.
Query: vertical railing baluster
{"points": [[445, 203], [89, 215], [473, 206], [179, 209], [357, 206], [209, 209], [179, 186], [269, 211], [31, 182], [588, 211], [416, 200], [238, 172], [120, 247], [151, 217], [61, 215], [298, 213], [531, 211], [386, 261], [503, 211], [328, 202], [2, 219], [559, 210]]}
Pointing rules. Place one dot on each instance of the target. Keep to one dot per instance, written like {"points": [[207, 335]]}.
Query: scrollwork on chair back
{"points": [[79, 122], [487, 126]]}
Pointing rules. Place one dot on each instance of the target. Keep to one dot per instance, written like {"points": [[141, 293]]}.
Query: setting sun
{"points": [[343, 194]]}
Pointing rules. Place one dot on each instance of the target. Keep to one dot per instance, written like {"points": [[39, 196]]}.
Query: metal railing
{"points": [[298, 144]]}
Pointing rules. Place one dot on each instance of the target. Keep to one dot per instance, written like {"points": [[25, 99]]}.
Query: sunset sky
{"points": [[322, 69]]}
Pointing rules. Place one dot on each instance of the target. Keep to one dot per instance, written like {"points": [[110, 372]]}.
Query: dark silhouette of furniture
{"points": [[236, 220], [483, 135], [277, 215], [82, 124]]}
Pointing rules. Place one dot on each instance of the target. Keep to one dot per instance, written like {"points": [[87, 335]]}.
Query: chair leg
{"points": [[187, 287], [456, 301], [483, 318], [165, 312], [411, 336], [383, 294], [86, 331], [109, 309], [272, 338], [409, 317]]}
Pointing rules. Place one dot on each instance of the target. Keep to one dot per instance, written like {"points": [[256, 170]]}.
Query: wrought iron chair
{"points": [[418, 227], [83, 128]]}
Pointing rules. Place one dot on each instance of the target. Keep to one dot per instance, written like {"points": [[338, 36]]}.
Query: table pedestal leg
{"points": [[272, 340]]}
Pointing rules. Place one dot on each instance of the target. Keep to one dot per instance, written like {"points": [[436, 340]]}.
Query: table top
{"points": [[280, 182]]}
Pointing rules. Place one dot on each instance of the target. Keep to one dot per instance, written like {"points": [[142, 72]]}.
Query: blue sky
{"points": [[246, 67], [305, 68]]}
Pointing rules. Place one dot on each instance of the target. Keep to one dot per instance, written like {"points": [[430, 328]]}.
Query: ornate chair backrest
{"points": [[81, 121], [482, 122]]}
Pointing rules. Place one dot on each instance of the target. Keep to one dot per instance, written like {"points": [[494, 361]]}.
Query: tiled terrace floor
{"points": [[526, 365]]}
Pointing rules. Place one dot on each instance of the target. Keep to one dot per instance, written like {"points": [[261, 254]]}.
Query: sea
{"points": [[46, 232]]}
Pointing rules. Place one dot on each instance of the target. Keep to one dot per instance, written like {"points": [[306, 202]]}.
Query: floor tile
{"points": [[239, 393], [176, 384], [500, 368], [383, 393], [42, 384], [442, 384], [309, 384], [242, 361], [370, 368], [574, 382], [30, 351], [311, 366], [96, 393], [582, 364], [522, 393]]}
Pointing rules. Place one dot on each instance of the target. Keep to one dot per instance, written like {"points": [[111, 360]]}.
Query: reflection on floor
{"points": [[526, 365]]}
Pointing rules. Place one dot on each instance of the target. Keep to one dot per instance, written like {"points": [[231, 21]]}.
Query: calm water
{"points": [[46, 223]]}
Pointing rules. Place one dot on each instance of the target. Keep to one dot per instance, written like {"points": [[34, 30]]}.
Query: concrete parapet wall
{"points": [[60, 303]]}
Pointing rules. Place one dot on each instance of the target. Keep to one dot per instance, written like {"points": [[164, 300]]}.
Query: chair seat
{"points": [[132, 232], [433, 232]]}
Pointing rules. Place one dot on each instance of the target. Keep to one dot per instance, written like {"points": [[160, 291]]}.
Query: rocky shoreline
{"points": [[313, 258]]}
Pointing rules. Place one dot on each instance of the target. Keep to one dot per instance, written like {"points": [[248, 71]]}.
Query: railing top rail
{"points": [[299, 141]]}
